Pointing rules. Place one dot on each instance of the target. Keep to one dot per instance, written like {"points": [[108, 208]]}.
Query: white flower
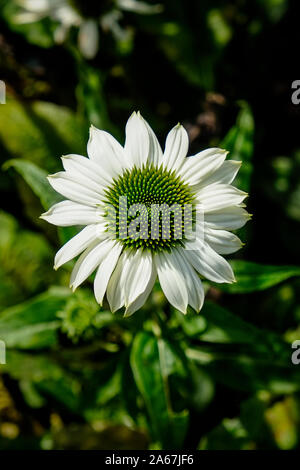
{"points": [[128, 267], [58, 10], [67, 16]]}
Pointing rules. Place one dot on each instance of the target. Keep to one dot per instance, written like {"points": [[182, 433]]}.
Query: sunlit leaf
{"points": [[229, 435], [41, 132], [218, 325], [36, 178], [253, 277], [47, 376], [33, 324], [25, 262], [152, 362], [251, 374]]}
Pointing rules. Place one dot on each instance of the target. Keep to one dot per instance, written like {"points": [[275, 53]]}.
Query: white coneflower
{"points": [[127, 266]]}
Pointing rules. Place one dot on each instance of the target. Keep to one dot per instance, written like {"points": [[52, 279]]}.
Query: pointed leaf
{"points": [[253, 277], [152, 362]]}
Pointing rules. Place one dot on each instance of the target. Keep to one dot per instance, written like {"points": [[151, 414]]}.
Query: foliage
{"points": [[78, 376]]}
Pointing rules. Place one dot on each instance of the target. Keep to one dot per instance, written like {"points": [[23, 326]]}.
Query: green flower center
{"points": [[149, 208]]}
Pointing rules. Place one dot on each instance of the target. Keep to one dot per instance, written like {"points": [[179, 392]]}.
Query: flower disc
{"points": [[159, 197]]}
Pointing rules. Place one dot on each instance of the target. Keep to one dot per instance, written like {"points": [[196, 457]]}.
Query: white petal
{"points": [[141, 299], [67, 213], [76, 245], [76, 188], [105, 271], [88, 38], [138, 275], [219, 196], [63, 13], [78, 165], [229, 218], [177, 144], [139, 7], [27, 17], [79, 262], [36, 5], [116, 285], [198, 167], [193, 282], [221, 241], [137, 144], [106, 151], [60, 33], [155, 151], [172, 280], [208, 263], [89, 261], [224, 174]]}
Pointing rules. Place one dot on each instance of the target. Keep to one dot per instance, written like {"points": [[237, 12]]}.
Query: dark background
{"points": [[200, 63]]}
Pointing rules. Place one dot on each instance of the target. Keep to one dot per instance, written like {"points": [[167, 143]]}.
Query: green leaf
{"points": [[251, 374], [128, 387], [239, 142], [200, 391], [189, 56], [46, 376], [61, 128], [31, 395], [218, 325], [152, 362], [229, 435], [9, 291], [36, 178], [41, 132], [271, 370], [253, 277], [103, 387], [254, 421], [66, 233], [33, 324], [26, 261], [90, 95]]}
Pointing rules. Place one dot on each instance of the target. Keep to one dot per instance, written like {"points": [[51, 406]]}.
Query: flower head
{"points": [[148, 214]]}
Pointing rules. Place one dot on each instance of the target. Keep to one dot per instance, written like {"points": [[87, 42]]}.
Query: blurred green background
{"points": [[77, 377]]}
